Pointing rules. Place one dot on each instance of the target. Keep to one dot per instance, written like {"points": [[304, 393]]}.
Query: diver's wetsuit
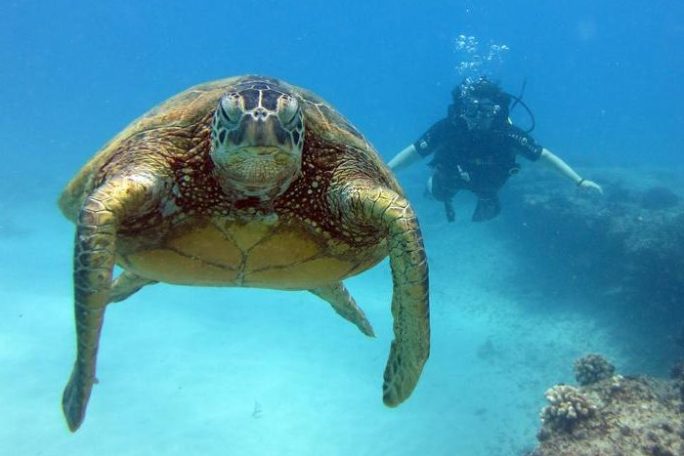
{"points": [[477, 160]]}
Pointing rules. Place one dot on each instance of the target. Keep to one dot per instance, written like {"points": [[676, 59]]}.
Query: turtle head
{"points": [[257, 137]]}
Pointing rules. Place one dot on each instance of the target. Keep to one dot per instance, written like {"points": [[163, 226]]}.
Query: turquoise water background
{"points": [[250, 372]]}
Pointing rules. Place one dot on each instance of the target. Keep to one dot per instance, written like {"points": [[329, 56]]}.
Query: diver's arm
{"points": [[557, 164], [403, 159]]}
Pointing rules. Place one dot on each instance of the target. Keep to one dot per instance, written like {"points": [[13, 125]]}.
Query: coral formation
{"points": [[635, 416], [567, 406], [592, 368]]}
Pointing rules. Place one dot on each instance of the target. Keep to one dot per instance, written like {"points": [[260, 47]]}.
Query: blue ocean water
{"points": [[245, 372]]}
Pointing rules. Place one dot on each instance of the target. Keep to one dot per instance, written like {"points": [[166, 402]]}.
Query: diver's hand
{"points": [[464, 174], [586, 184]]}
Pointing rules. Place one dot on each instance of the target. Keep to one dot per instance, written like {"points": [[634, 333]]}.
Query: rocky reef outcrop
{"points": [[638, 224], [615, 416], [624, 249], [592, 368]]}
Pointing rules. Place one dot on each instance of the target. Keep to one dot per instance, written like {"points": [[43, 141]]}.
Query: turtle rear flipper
{"points": [[94, 257], [365, 204], [127, 284], [340, 300]]}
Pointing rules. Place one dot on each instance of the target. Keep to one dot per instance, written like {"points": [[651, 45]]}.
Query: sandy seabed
{"points": [[185, 371]]}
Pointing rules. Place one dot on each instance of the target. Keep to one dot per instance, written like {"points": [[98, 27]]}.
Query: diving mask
{"points": [[479, 113]]}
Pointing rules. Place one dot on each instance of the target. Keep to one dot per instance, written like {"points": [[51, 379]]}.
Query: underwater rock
{"points": [[592, 368], [631, 416], [677, 375], [659, 198], [677, 371], [609, 248]]}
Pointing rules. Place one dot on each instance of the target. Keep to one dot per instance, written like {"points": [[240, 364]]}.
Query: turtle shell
{"points": [[191, 107], [206, 241]]}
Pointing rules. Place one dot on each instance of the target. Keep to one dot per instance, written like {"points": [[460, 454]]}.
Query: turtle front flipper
{"points": [[94, 255], [340, 300], [365, 207]]}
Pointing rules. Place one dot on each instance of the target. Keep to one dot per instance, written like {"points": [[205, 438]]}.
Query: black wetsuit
{"points": [[477, 160]]}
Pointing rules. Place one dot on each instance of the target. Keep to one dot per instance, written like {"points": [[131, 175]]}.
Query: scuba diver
{"points": [[475, 148]]}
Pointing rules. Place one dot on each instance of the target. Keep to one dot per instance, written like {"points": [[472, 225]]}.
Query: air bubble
{"points": [[475, 60]]}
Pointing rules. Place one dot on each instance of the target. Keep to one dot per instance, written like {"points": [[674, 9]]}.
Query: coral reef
{"points": [[622, 255], [592, 368], [567, 407], [621, 416]]}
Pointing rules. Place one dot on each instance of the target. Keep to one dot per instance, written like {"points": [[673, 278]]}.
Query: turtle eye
{"points": [[288, 108], [231, 108]]}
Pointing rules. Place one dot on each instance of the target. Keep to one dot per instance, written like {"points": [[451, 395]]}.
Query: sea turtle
{"points": [[252, 182]]}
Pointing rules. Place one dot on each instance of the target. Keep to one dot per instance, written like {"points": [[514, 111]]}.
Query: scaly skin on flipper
{"points": [[94, 257], [340, 299], [410, 300], [366, 204]]}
